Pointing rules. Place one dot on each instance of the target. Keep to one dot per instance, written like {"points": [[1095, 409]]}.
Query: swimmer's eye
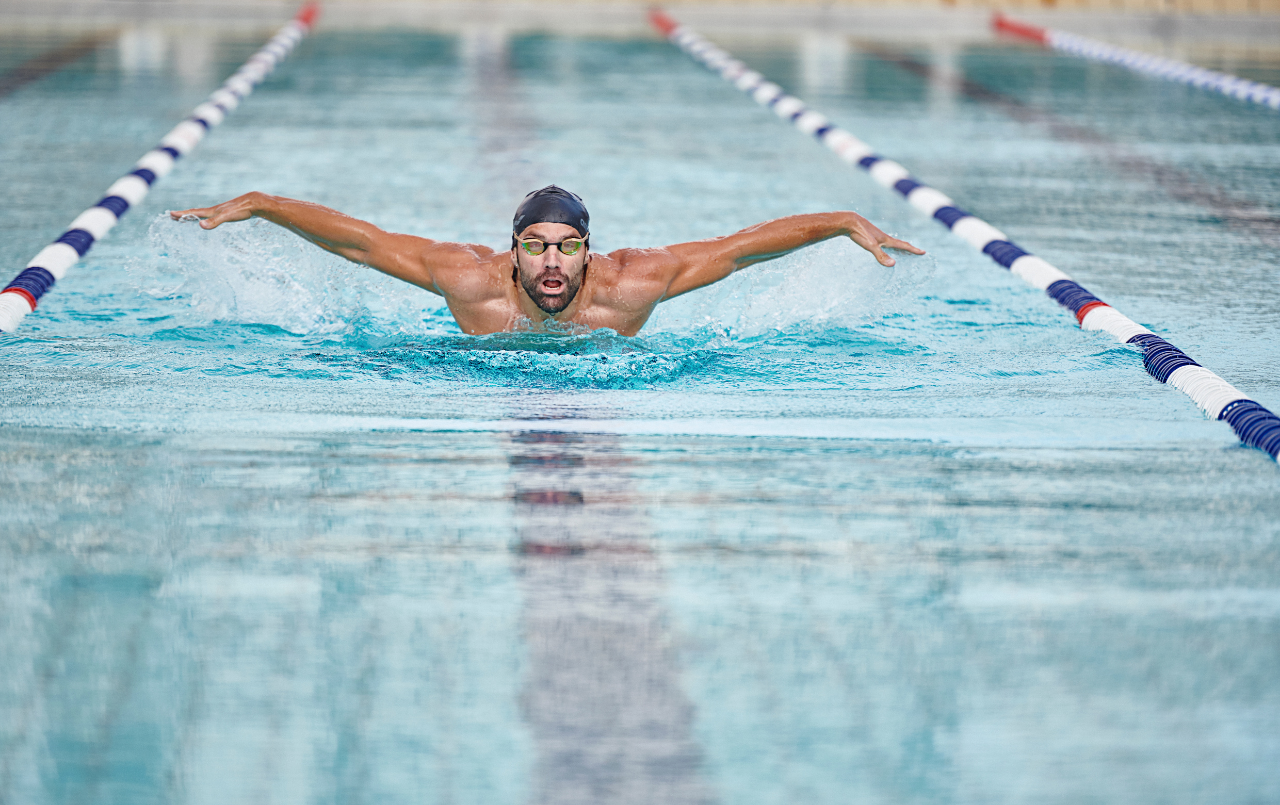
{"points": [[568, 247]]}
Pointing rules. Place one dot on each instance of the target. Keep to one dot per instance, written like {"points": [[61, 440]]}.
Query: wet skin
{"points": [[488, 291]]}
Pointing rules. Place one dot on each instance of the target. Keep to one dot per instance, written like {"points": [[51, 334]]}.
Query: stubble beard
{"points": [[551, 305]]}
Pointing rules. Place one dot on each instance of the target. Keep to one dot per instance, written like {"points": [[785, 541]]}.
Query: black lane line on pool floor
{"points": [[1238, 214], [50, 62]]}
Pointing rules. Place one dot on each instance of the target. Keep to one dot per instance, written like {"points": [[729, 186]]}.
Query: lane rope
{"points": [[52, 263], [1254, 424], [1140, 62]]}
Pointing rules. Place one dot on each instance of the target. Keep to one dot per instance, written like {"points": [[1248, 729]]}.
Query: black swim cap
{"points": [[551, 205]]}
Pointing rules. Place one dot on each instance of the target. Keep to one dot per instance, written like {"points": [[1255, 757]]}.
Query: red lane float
{"points": [[1006, 25], [662, 21]]}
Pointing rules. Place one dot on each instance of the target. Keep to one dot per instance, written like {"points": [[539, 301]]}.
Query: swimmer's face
{"points": [[552, 279]]}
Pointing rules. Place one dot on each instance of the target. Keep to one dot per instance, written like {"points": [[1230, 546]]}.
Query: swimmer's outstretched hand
{"points": [[868, 236], [237, 209]]}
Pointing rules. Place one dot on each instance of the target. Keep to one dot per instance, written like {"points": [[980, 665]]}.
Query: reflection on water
{"points": [[603, 695], [555, 617]]}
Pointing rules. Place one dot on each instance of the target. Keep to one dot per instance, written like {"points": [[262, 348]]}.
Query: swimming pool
{"points": [[277, 531]]}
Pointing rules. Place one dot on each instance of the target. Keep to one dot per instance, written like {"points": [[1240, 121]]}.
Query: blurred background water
{"points": [[276, 531]]}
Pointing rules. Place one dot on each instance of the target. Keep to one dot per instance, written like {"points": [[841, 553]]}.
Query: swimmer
{"points": [[550, 273]]}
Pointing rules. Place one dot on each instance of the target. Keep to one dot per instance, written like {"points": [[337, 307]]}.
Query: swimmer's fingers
{"points": [[881, 255], [220, 215], [871, 242], [887, 242], [237, 209], [894, 243], [870, 237], [193, 214]]}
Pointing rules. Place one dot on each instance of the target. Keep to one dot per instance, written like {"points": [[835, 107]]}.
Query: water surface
{"points": [[277, 531]]}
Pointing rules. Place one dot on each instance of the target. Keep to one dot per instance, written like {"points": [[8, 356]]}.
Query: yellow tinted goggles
{"points": [[568, 247]]}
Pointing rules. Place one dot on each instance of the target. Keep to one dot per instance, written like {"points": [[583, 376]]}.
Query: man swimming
{"points": [[550, 272]]}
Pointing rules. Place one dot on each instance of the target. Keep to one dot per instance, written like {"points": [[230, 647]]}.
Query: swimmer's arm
{"points": [[419, 261], [700, 263]]}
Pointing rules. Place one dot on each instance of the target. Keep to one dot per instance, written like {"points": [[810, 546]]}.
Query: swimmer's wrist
{"points": [[853, 223], [259, 203]]}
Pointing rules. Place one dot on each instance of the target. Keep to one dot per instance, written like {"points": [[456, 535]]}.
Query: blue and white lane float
{"points": [[1254, 424], [1157, 66], [21, 296]]}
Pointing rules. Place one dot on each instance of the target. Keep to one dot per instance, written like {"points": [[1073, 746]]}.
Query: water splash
{"points": [[831, 286], [257, 273]]}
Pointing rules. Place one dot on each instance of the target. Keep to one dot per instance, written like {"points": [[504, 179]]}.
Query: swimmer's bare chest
{"points": [[504, 316], [496, 308]]}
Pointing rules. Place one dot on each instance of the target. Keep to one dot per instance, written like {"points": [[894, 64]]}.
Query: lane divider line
{"points": [[52, 263], [1253, 424], [1140, 62]]}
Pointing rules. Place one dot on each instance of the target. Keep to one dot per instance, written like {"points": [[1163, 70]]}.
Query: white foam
{"points": [[795, 292], [254, 272]]}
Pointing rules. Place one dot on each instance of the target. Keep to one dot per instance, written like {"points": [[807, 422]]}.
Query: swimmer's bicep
{"points": [[435, 266], [399, 256], [690, 266]]}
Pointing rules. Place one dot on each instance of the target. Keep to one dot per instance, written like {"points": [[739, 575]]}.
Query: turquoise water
{"points": [[276, 531]]}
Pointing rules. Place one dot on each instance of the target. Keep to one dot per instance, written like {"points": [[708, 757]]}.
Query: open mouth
{"points": [[551, 287]]}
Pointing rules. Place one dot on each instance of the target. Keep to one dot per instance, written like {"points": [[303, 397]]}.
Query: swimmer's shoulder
{"points": [[642, 263], [463, 255], [466, 271]]}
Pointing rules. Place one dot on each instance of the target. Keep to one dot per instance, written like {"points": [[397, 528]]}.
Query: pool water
{"points": [[277, 531]]}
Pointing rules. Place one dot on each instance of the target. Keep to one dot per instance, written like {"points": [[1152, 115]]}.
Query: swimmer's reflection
{"points": [[603, 696]]}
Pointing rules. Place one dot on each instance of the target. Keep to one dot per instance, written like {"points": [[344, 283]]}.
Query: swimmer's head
{"points": [[549, 249], [551, 205]]}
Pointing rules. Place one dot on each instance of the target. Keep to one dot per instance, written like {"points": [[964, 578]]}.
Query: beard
{"points": [[551, 304]]}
